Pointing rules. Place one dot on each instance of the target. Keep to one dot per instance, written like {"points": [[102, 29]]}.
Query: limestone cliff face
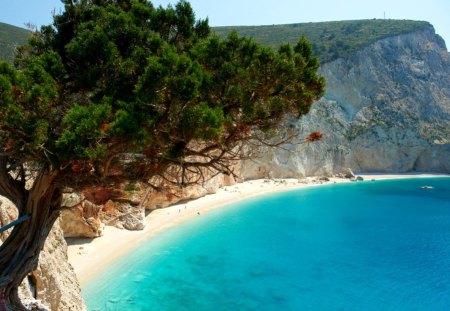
{"points": [[54, 282], [387, 109]]}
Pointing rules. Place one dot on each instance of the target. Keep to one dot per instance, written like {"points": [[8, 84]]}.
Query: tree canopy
{"points": [[114, 77], [123, 88]]}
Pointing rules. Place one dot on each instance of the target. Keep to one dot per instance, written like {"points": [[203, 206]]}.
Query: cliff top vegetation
{"points": [[10, 38], [330, 40]]}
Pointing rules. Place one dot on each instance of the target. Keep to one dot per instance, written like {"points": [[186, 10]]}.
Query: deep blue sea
{"points": [[372, 245]]}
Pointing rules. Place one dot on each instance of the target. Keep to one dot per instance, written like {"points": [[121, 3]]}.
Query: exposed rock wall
{"points": [[387, 109], [86, 213], [54, 282], [172, 194]]}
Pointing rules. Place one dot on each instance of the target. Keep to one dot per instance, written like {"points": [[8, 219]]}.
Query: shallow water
{"points": [[382, 245]]}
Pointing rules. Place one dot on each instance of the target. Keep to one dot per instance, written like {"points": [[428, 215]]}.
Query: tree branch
{"points": [[14, 190]]}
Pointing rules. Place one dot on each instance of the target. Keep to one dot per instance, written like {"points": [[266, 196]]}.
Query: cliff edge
{"points": [[386, 109]]}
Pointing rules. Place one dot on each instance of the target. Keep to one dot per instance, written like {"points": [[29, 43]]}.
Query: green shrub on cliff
{"points": [[10, 38], [330, 40]]}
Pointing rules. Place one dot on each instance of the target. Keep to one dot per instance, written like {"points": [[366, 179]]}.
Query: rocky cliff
{"points": [[86, 213], [387, 109], [54, 283]]}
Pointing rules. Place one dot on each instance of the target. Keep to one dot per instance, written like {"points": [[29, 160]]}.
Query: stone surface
{"points": [[80, 217], [8, 213], [171, 194], [86, 213], [34, 304], [71, 199], [123, 215], [387, 109], [54, 283], [75, 224]]}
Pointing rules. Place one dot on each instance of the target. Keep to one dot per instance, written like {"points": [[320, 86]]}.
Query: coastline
{"points": [[89, 257]]}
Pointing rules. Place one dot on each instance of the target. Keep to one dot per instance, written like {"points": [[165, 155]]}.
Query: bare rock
{"points": [[34, 305], [101, 195], [348, 173], [56, 283], [386, 109], [170, 194], [135, 219], [123, 215], [75, 224], [53, 285], [8, 213], [71, 199]]}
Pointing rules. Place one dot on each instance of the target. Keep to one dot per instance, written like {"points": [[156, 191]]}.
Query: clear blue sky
{"points": [[265, 12]]}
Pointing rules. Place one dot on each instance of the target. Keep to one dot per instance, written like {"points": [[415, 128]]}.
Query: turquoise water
{"points": [[382, 245]]}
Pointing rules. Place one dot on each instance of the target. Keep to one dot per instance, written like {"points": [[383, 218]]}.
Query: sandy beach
{"points": [[91, 256]]}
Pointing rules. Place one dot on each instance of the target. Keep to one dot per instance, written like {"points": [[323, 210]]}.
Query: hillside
{"points": [[10, 38], [330, 40]]}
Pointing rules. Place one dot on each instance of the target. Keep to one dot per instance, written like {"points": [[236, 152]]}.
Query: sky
{"points": [[265, 12]]}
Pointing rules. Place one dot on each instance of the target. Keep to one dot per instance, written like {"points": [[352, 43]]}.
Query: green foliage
{"points": [[10, 38], [82, 130], [27, 108], [330, 40], [123, 77], [130, 187], [203, 122]]}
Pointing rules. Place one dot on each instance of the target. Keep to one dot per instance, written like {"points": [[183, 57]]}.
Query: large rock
{"points": [[387, 109], [80, 218], [54, 282], [75, 224], [123, 215], [171, 194]]}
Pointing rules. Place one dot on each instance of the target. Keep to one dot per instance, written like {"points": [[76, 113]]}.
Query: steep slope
{"points": [[330, 40], [387, 109], [10, 38], [54, 282]]}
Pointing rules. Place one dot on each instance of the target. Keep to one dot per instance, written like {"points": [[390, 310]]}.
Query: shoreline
{"points": [[89, 257]]}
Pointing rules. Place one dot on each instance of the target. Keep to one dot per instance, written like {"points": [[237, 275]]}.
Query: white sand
{"points": [[91, 256]]}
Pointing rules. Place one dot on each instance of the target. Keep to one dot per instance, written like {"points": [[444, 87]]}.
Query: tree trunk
{"points": [[19, 254]]}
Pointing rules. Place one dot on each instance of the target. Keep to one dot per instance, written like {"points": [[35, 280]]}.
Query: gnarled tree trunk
{"points": [[19, 254]]}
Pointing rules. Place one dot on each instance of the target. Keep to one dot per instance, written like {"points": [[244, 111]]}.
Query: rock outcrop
{"points": [[387, 109], [54, 283], [172, 194], [85, 214], [80, 218]]}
